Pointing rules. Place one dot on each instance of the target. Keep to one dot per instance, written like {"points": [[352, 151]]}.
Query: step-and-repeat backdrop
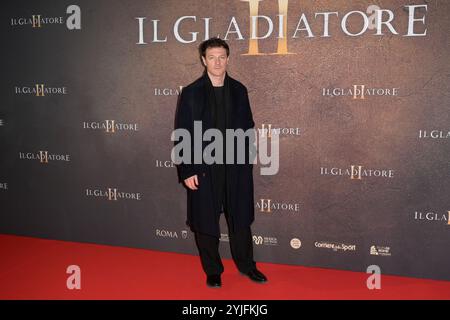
{"points": [[358, 92]]}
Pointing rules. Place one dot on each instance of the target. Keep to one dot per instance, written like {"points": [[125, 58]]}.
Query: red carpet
{"points": [[34, 268]]}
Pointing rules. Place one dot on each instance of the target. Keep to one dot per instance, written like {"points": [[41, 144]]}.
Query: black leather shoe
{"points": [[214, 281], [256, 275]]}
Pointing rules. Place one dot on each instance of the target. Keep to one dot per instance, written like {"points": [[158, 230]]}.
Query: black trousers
{"points": [[241, 245]]}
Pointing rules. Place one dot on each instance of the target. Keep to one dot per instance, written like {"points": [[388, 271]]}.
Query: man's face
{"points": [[216, 61]]}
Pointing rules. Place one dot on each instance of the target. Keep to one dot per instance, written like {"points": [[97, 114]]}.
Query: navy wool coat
{"points": [[194, 104]]}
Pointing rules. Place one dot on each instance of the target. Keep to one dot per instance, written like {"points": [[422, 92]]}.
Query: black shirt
{"points": [[220, 114]]}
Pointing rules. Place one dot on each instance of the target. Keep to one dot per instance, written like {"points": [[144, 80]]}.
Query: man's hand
{"points": [[191, 182]]}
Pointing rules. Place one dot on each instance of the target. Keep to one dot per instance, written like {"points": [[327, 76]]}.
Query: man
{"points": [[219, 102]]}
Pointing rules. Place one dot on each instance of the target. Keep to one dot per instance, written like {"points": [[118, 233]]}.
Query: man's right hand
{"points": [[191, 182]]}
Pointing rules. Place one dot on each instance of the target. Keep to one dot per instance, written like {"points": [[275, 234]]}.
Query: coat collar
{"points": [[207, 81]]}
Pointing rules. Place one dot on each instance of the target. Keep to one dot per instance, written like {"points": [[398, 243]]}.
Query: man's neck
{"points": [[217, 81]]}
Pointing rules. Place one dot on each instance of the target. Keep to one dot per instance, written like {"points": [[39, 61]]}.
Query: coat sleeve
{"points": [[249, 150], [250, 122], [184, 119]]}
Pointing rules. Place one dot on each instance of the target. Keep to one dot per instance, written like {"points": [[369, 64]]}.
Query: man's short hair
{"points": [[212, 43]]}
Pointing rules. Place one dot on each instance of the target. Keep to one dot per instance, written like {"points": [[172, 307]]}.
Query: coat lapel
{"points": [[229, 102], [207, 114]]}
